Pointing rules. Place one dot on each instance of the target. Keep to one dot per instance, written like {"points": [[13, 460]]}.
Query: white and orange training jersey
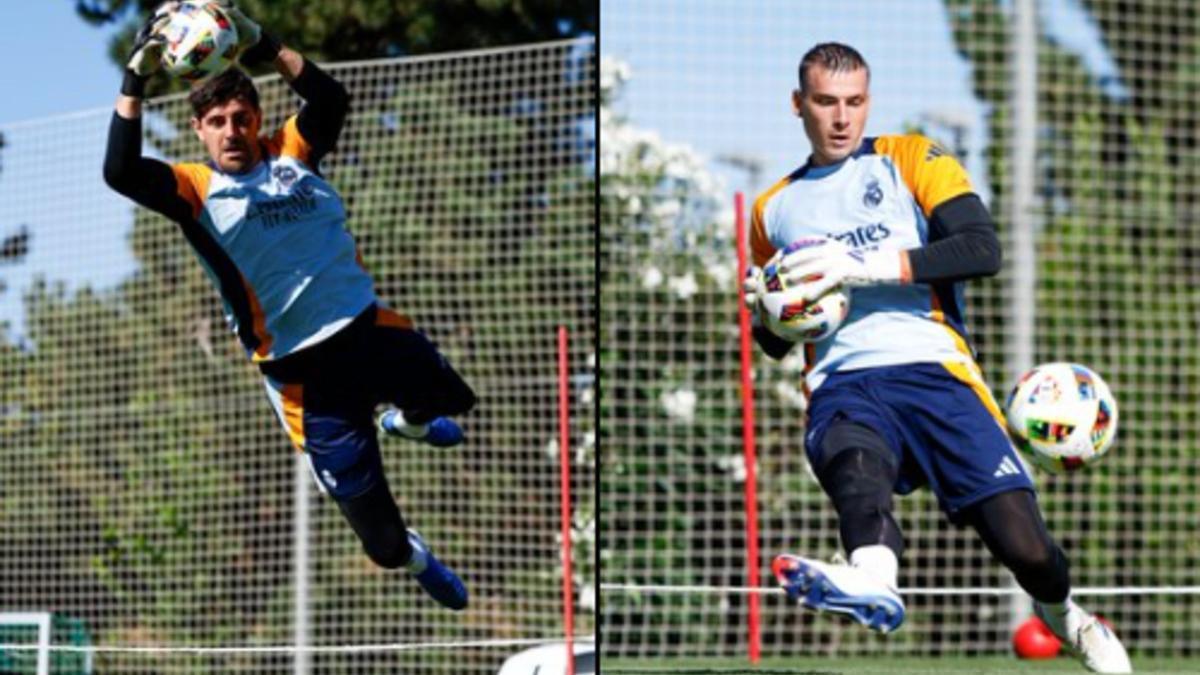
{"points": [[274, 240], [881, 197]]}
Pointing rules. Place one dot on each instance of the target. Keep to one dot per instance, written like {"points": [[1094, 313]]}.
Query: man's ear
{"points": [[196, 127], [797, 101]]}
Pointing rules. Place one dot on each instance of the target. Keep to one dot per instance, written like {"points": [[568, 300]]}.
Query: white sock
{"points": [[1058, 609], [405, 429], [419, 558], [879, 561], [1063, 617]]}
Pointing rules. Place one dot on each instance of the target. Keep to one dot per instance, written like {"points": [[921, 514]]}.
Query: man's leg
{"points": [[1012, 527], [421, 383], [386, 539], [375, 518], [858, 473], [331, 424]]}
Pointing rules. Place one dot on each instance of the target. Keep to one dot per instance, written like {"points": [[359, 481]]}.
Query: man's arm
{"points": [[326, 101], [962, 240], [962, 243], [761, 251], [148, 182], [771, 344]]}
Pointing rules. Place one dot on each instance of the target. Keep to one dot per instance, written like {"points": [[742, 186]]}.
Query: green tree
{"points": [[342, 30], [1116, 274], [162, 476]]}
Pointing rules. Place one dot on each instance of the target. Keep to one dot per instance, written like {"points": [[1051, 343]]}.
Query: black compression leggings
{"points": [[1011, 525], [376, 520], [859, 477], [859, 481]]}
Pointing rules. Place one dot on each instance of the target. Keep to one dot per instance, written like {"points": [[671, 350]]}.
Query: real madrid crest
{"points": [[873, 197]]}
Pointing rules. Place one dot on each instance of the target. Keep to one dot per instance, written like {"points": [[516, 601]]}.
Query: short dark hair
{"points": [[231, 84], [834, 57]]}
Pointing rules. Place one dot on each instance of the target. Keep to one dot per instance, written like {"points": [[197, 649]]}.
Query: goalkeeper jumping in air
{"points": [[271, 234], [897, 399]]}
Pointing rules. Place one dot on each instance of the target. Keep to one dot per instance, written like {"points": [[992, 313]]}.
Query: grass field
{"points": [[995, 665]]}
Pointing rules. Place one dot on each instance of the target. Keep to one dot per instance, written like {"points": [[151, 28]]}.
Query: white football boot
{"points": [[1086, 637], [840, 588]]}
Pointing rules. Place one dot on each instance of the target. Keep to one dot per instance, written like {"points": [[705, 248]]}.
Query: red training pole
{"points": [[564, 450], [748, 453]]}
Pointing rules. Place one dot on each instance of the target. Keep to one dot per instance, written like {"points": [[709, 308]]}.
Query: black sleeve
{"points": [[146, 181], [326, 102], [771, 344], [962, 243]]}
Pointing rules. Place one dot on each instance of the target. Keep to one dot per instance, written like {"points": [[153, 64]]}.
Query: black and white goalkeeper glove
{"points": [[820, 266], [753, 290], [145, 58], [255, 44]]}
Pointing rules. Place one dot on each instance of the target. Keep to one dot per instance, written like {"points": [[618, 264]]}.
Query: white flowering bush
{"points": [[670, 419], [671, 426]]}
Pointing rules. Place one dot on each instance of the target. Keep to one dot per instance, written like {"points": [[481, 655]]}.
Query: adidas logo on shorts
{"points": [[1007, 468]]}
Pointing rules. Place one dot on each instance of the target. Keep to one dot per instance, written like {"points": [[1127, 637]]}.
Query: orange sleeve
{"points": [[930, 172], [288, 141], [761, 248], [191, 183]]}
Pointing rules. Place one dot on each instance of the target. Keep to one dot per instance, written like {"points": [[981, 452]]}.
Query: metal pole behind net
{"points": [[301, 663]]}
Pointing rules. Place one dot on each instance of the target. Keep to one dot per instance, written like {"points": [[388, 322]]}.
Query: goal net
{"points": [[145, 485], [695, 106]]}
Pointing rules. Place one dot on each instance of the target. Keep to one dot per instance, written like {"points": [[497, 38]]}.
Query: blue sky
{"points": [[52, 62], [60, 87]]}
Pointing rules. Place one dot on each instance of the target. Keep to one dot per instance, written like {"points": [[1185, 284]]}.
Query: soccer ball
{"points": [[1062, 416], [201, 41], [789, 316]]}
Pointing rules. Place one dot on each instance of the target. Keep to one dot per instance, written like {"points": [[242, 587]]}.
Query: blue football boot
{"points": [[439, 581], [441, 432]]}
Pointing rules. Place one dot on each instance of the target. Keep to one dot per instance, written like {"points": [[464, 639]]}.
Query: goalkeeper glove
{"points": [[815, 270], [146, 55], [753, 290], [257, 45]]}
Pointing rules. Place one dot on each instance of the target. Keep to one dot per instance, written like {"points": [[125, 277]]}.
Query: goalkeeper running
{"points": [[271, 234], [897, 400]]}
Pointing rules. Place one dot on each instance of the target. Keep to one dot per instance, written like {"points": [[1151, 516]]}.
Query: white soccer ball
{"points": [[788, 315], [201, 41], [1062, 416]]}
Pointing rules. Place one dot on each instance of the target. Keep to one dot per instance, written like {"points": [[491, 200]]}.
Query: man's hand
{"points": [[816, 269], [146, 56], [753, 290], [247, 29]]}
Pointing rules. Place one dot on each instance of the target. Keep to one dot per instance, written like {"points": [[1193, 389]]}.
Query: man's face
{"points": [[229, 132], [834, 109]]}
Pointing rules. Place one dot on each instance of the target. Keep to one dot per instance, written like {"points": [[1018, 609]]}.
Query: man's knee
{"points": [[376, 520], [1012, 527], [456, 396], [463, 398], [857, 465], [859, 474], [1043, 571], [1032, 556]]}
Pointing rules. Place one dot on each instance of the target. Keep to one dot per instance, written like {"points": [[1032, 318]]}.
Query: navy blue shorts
{"points": [[940, 421], [325, 395]]}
